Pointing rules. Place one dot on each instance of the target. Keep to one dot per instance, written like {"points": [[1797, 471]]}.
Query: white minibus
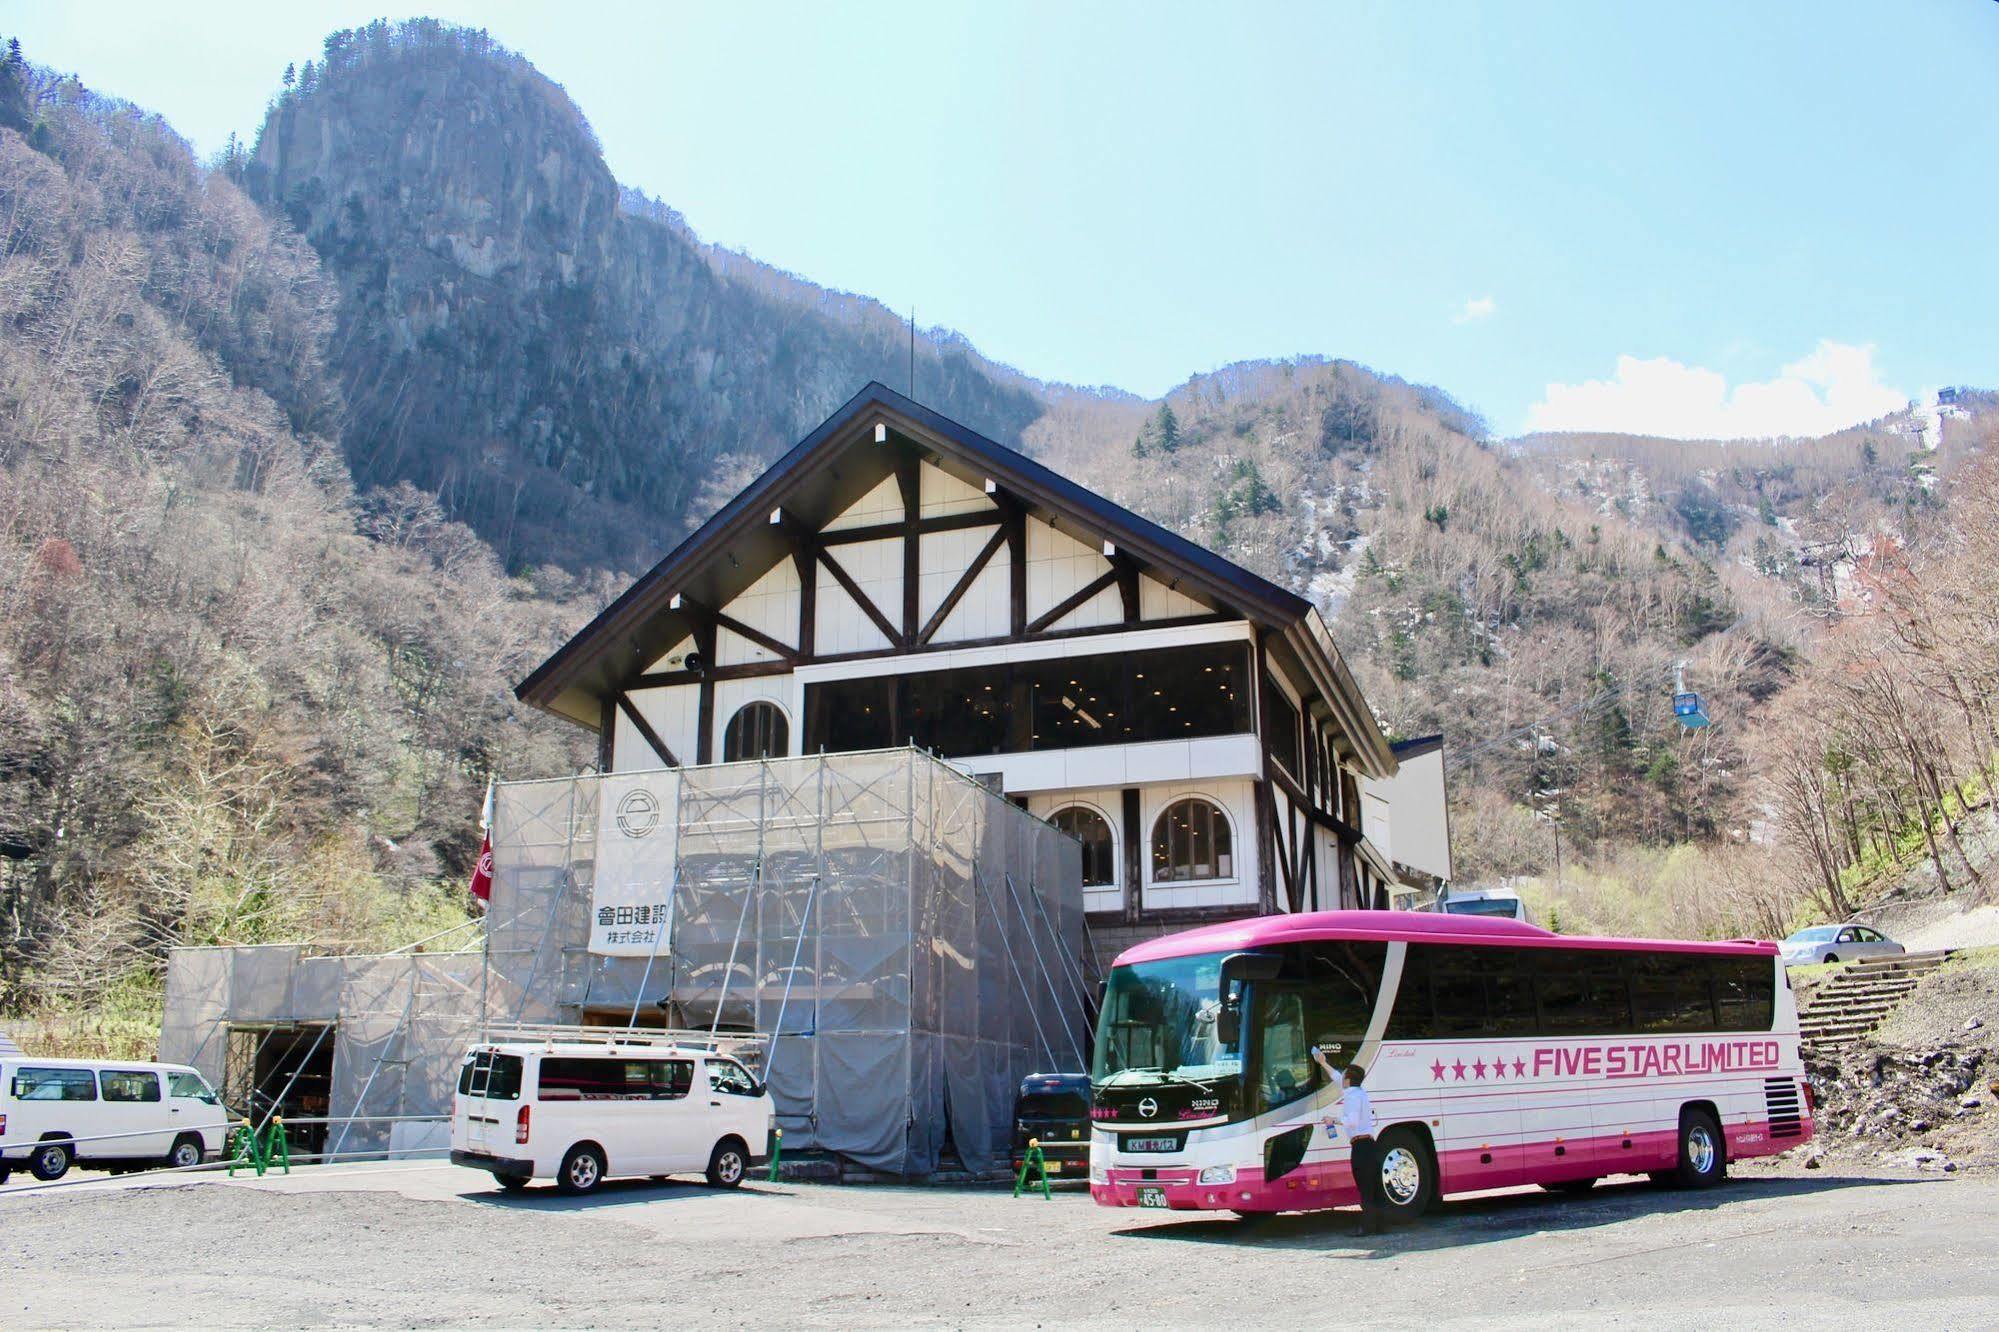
{"points": [[580, 1111], [106, 1114]]}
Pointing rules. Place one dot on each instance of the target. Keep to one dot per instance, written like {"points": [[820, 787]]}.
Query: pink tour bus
{"points": [[1497, 1054]]}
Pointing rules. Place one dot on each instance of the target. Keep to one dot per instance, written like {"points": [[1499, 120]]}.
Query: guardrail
{"points": [[228, 1128]]}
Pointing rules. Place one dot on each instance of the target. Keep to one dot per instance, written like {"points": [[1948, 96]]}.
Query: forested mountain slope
{"points": [[238, 700]]}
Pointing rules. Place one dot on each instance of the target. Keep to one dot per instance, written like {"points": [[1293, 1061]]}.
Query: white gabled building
{"points": [[897, 578]]}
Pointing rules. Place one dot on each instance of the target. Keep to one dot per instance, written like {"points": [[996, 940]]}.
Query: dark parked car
{"points": [[1055, 1108]]}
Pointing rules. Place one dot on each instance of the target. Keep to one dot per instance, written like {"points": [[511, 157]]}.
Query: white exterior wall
{"points": [[1408, 819], [673, 712]]}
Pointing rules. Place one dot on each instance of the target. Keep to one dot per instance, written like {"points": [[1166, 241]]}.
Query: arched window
{"points": [[1099, 849], [758, 730], [1191, 841]]}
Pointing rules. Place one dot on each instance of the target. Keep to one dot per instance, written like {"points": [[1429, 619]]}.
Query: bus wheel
{"points": [[582, 1169], [1703, 1151], [1408, 1174], [1571, 1185], [51, 1160]]}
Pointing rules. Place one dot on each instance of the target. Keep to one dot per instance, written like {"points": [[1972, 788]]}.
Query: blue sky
{"points": [[1691, 219]]}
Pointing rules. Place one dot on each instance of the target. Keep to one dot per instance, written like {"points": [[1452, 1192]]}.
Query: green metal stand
{"points": [[260, 1152], [1036, 1163], [776, 1150]]}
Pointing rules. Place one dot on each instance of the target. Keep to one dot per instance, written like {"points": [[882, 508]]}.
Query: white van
{"points": [[111, 1115], [579, 1112], [1501, 902]]}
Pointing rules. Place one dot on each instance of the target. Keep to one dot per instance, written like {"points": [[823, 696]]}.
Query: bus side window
{"points": [[1412, 1018], [1457, 991], [1509, 993], [1744, 990]]}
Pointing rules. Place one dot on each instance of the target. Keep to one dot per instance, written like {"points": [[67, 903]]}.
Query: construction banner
{"points": [[638, 843]]}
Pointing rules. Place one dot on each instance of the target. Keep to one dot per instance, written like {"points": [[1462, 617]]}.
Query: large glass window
{"points": [[129, 1085], [54, 1084], [1280, 728], [1062, 703], [758, 730], [1191, 842], [191, 1085], [1099, 849], [958, 713], [842, 716]]}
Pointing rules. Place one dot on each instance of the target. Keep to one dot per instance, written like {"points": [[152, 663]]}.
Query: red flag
{"points": [[482, 873]]}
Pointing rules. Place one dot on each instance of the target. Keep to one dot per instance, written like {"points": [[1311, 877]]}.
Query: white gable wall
{"points": [[840, 624]]}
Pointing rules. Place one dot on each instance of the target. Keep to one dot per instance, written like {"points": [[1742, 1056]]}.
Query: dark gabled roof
{"points": [[1416, 748], [748, 513]]}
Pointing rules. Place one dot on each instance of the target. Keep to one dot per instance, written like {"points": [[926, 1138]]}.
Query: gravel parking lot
{"points": [[421, 1244]]}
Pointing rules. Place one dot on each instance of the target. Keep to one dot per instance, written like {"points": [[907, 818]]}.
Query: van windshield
{"points": [[1483, 906], [492, 1075]]}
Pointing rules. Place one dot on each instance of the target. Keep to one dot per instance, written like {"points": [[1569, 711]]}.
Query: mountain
{"points": [[567, 368]]}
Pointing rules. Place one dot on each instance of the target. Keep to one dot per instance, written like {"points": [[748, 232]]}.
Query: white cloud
{"points": [[1474, 309], [1836, 386]]}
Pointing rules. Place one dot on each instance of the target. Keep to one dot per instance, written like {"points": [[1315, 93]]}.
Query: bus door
{"points": [[1584, 996]]}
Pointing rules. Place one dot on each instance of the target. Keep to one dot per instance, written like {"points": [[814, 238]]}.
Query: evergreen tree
{"points": [[14, 88], [291, 75], [1167, 430]]}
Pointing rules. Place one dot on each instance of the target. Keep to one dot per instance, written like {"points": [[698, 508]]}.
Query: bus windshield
{"points": [[1160, 1023]]}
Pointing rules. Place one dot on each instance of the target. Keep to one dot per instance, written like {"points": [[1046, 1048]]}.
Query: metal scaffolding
{"points": [[911, 942]]}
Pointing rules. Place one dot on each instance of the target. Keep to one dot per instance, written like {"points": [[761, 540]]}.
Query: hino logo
{"points": [[1148, 1107]]}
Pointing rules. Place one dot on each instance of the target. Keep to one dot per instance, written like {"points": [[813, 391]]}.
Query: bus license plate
{"points": [[1152, 1197], [1152, 1144], [1054, 1167]]}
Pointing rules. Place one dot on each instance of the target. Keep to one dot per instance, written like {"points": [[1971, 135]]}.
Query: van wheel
{"points": [[1703, 1151], [582, 1169], [186, 1152], [511, 1183], [51, 1160], [4, 1172], [1408, 1174], [1831, 957], [728, 1164]]}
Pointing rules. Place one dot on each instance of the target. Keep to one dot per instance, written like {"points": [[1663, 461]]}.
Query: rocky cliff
{"points": [[575, 379]]}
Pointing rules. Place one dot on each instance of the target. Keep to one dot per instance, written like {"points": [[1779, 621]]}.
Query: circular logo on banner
{"points": [[1148, 1107], [638, 813]]}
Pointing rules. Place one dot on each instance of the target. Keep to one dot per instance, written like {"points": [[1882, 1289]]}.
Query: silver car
{"points": [[1836, 943]]}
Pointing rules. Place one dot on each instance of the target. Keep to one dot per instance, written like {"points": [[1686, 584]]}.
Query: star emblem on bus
{"points": [[1520, 1068], [1459, 1069], [1437, 1070], [1478, 1069]]}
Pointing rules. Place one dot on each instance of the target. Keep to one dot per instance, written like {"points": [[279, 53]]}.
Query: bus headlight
{"points": [[1218, 1175]]}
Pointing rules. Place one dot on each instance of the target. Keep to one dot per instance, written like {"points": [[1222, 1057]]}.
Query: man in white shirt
{"points": [[1357, 1124]]}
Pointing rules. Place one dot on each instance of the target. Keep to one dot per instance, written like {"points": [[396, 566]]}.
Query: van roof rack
{"points": [[748, 1046]]}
